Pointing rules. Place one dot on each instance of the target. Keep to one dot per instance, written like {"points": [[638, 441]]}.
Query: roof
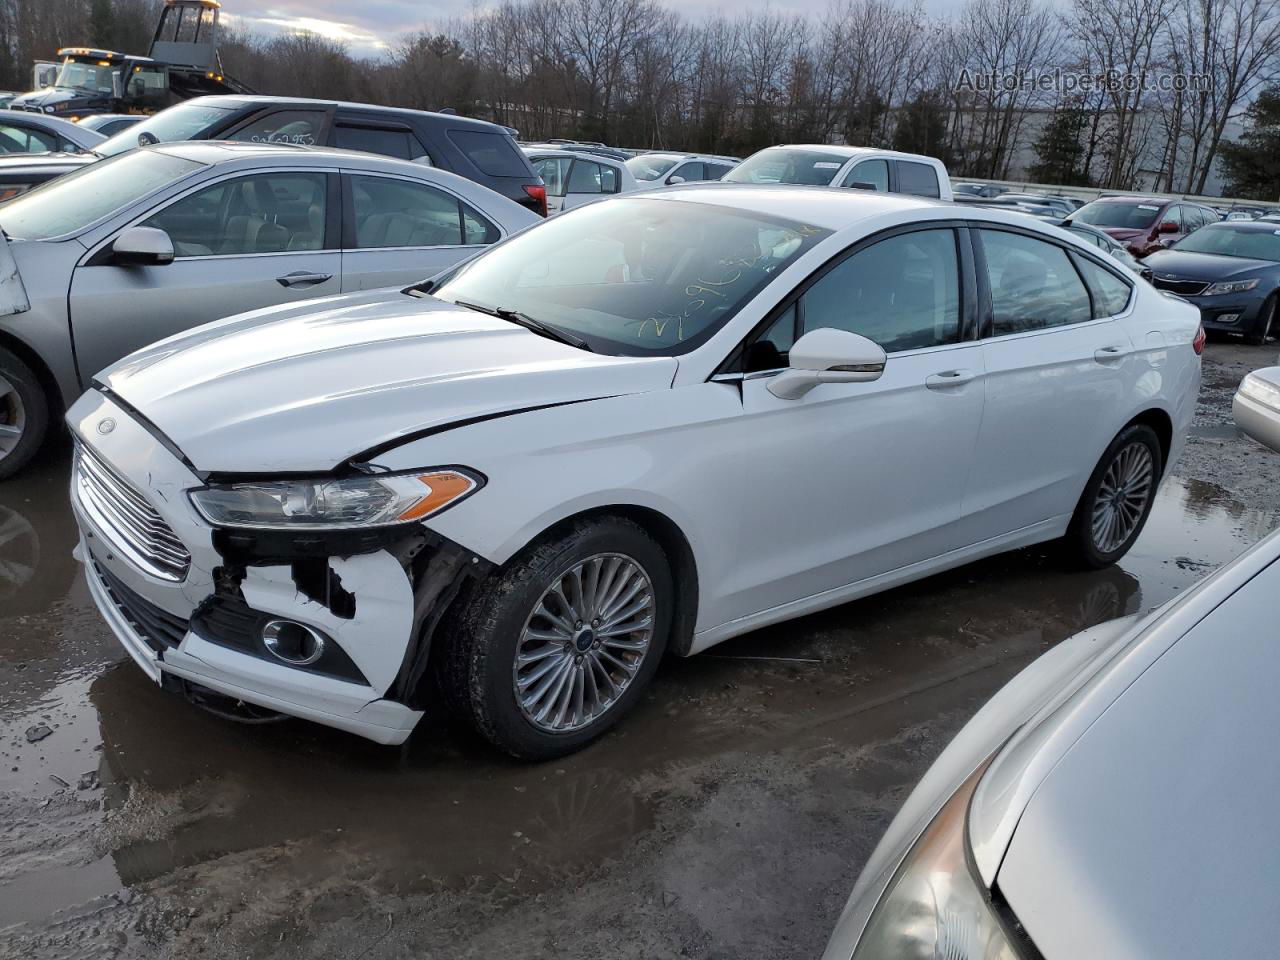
{"points": [[680, 155], [212, 152], [819, 206], [561, 152], [453, 119], [849, 152]]}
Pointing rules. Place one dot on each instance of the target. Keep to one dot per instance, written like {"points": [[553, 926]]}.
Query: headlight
{"points": [[378, 500], [1260, 391], [934, 908], [1230, 286]]}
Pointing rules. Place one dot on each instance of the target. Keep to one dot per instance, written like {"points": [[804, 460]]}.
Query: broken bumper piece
{"points": [[206, 626]]}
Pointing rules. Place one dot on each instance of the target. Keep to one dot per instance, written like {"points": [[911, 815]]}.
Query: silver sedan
{"points": [[136, 248], [1116, 799], [24, 132]]}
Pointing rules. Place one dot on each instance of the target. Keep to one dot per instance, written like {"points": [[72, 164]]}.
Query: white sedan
{"points": [[647, 425], [573, 178]]}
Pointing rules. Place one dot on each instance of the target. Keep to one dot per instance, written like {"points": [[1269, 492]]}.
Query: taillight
{"points": [[1198, 343], [10, 190], [538, 194]]}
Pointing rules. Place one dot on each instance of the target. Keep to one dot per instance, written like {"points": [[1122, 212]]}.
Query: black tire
{"points": [[1261, 331], [476, 672], [35, 412], [1079, 541]]}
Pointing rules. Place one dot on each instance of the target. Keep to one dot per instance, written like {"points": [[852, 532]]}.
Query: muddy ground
{"points": [[727, 818]]}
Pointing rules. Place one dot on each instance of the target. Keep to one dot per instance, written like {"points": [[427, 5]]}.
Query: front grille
{"points": [[1184, 288], [159, 629], [130, 522]]}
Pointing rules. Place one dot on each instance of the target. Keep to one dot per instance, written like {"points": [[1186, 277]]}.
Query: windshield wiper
{"points": [[529, 323]]}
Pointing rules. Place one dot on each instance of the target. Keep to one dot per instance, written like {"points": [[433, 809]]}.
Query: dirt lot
{"points": [[727, 819]]}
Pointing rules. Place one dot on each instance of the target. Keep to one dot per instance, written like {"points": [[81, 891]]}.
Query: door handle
{"points": [[300, 278], [1110, 354], [948, 379]]}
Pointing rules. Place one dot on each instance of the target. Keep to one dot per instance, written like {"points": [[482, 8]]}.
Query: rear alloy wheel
{"points": [[1263, 326], [24, 414], [1118, 498], [557, 646]]}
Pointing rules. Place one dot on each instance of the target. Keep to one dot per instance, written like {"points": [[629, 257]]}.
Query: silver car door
{"points": [[240, 243], [398, 231]]}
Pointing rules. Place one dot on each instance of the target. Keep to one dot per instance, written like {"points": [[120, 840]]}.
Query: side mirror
{"points": [[827, 355], [675, 179], [1256, 407], [142, 246], [1169, 227]]}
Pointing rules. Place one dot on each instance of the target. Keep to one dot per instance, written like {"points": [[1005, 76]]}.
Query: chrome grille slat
{"points": [[131, 521]]}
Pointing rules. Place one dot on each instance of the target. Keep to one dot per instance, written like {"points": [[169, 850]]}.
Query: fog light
{"points": [[1227, 317], [294, 643]]}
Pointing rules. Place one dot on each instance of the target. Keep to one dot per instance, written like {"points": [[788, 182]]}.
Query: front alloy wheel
{"points": [[584, 642], [24, 414], [558, 645]]}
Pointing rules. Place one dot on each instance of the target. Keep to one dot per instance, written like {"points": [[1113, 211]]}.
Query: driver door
{"points": [[240, 244], [856, 480]]}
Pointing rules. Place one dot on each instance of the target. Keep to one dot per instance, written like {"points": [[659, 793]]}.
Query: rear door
{"points": [[240, 243], [398, 231], [1060, 370], [588, 181]]}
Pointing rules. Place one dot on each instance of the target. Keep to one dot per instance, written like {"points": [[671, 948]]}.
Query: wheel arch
{"points": [[44, 375], [1158, 420], [674, 543]]}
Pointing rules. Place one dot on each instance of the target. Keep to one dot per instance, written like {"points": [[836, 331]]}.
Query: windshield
{"points": [[70, 203], [786, 165], [639, 277], [76, 75], [186, 121], [1103, 213], [649, 168], [1227, 240]]}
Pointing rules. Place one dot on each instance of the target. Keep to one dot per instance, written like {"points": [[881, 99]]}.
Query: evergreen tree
{"points": [[922, 127], [1252, 163], [1059, 149]]}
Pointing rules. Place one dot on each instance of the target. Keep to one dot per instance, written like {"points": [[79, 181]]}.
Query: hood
{"points": [[48, 97], [1155, 833], [1185, 265], [306, 387]]}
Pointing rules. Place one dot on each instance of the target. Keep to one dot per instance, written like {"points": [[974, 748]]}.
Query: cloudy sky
{"points": [[370, 26]]}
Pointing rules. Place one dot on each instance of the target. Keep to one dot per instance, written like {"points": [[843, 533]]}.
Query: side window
{"points": [[875, 172], [300, 127], [404, 213], [66, 146], [492, 153], [262, 213], [902, 292], [1110, 293], [554, 172], [770, 350], [918, 179], [476, 230], [717, 170], [608, 179], [1088, 236], [1033, 284], [689, 171], [149, 86], [386, 142], [1173, 215], [15, 139], [584, 177]]}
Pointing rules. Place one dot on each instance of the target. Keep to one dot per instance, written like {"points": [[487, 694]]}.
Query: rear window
{"points": [[918, 179], [492, 153]]}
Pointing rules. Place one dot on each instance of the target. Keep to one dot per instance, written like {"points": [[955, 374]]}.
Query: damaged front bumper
{"points": [[374, 611]]}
